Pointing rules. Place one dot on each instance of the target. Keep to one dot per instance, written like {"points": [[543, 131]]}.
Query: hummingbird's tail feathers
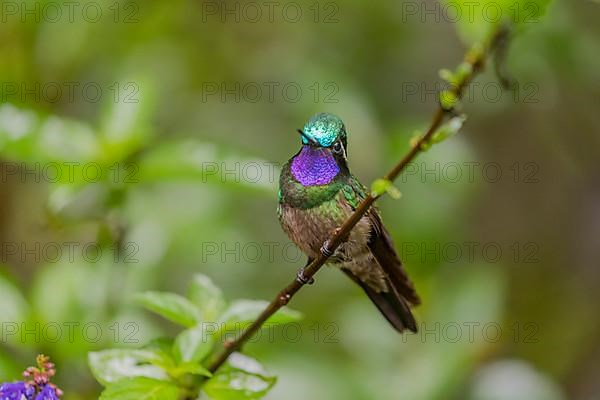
{"points": [[392, 305], [382, 248]]}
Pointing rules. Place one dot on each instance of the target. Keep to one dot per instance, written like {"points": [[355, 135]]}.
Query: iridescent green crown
{"points": [[324, 129]]}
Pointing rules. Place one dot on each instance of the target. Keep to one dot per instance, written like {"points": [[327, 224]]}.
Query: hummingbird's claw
{"points": [[303, 279], [325, 249]]}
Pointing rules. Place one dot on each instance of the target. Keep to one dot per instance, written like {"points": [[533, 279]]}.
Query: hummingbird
{"points": [[317, 194]]}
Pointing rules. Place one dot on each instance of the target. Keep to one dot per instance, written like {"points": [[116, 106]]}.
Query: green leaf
{"points": [[109, 366], [381, 186], [191, 368], [463, 71], [242, 362], [124, 124], [448, 99], [448, 76], [457, 78], [161, 348], [140, 389], [207, 296], [242, 378], [193, 345], [235, 385], [394, 192], [243, 312], [171, 306], [449, 129]]}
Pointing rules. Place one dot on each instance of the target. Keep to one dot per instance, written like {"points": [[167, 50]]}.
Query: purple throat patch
{"points": [[314, 166]]}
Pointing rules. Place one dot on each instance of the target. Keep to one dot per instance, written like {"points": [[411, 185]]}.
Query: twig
{"points": [[476, 60]]}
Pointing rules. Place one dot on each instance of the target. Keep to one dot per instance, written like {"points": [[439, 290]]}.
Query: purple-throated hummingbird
{"points": [[317, 194]]}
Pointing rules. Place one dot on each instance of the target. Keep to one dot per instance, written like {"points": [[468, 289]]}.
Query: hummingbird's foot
{"points": [[325, 249], [300, 277]]}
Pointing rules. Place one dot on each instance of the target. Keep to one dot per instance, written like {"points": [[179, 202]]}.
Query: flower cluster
{"points": [[36, 386]]}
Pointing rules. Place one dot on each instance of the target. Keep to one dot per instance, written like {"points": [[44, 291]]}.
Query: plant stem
{"points": [[476, 60]]}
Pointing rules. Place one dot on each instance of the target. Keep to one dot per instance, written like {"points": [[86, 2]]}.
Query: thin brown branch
{"points": [[476, 60]]}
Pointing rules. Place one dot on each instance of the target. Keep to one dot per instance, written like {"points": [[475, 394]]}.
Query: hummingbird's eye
{"points": [[337, 147]]}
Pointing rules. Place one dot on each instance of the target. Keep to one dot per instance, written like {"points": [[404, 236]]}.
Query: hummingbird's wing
{"points": [[395, 303], [391, 305], [382, 247]]}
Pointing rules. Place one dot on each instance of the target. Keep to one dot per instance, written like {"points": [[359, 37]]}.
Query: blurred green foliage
{"points": [[154, 175], [178, 368]]}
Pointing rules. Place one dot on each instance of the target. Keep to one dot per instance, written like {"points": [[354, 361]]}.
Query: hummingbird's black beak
{"points": [[310, 140]]}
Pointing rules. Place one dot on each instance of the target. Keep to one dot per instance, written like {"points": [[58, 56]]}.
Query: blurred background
{"points": [[140, 143]]}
